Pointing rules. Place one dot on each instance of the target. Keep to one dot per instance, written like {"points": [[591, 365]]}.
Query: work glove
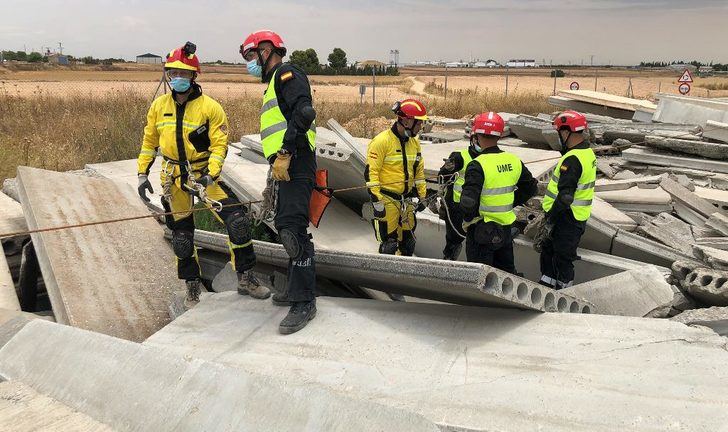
{"points": [[417, 203], [543, 235], [205, 180], [144, 186], [379, 211], [280, 167]]}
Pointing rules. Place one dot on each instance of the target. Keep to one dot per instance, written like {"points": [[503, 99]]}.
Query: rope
{"points": [[248, 203]]}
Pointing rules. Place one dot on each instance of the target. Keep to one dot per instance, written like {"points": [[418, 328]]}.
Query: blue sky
{"points": [[616, 31]]}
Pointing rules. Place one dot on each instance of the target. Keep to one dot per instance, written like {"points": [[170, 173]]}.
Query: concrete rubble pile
{"points": [[93, 335]]}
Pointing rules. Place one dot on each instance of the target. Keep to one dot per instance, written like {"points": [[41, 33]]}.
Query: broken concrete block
{"points": [[136, 387], [715, 318], [11, 216], [669, 230], [717, 197], [636, 199], [719, 222], [708, 286], [631, 293], [611, 136], [8, 296], [716, 131], [699, 148], [445, 281], [492, 362], [649, 182], [655, 157], [633, 246], [10, 188], [715, 258], [605, 168], [112, 278], [682, 195]]}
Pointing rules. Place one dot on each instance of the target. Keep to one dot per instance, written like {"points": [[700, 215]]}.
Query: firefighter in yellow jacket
{"points": [[395, 177], [190, 130]]}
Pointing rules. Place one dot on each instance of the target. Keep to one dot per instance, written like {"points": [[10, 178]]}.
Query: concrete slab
{"points": [[655, 157], [612, 214], [586, 107], [716, 131], [116, 278], [717, 197], [125, 171], [438, 137], [646, 182], [689, 111], [11, 215], [610, 100], [687, 198], [719, 222], [153, 390], [633, 293], [715, 318], [637, 199], [715, 258], [698, 148], [478, 369], [445, 281], [23, 409], [248, 179], [8, 296], [669, 230], [534, 131], [629, 245]]}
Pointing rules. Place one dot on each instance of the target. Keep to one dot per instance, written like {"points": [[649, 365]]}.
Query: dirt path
{"points": [[418, 88]]}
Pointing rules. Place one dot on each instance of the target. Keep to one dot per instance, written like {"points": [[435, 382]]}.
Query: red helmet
{"points": [[410, 109], [488, 123], [181, 58], [255, 39], [571, 120]]}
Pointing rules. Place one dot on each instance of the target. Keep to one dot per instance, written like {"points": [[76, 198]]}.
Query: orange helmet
{"points": [[183, 58], [570, 120], [410, 109]]}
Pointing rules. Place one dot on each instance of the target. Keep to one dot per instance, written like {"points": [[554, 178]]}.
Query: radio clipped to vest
{"points": [[200, 137]]}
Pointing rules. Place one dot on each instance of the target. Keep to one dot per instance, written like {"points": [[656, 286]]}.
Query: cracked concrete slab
{"points": [[445, 281], [121, 278], [715, 318], [134, 387], [693, 147], [633, 293], [669, 230], [473, 367]]}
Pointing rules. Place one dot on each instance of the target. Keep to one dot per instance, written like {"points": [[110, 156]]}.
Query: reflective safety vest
{"points": [[273, 124], [457, 187], [502, 171], [582, 205]]}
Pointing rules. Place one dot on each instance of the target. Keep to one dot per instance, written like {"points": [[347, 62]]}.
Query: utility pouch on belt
{"points": [[320, 197], [200, 137], [489, 234]]}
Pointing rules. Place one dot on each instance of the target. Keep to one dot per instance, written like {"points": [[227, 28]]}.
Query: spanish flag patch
{"points": [[286, 76]]}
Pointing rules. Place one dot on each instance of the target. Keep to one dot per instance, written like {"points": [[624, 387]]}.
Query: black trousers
{"points": [[491, 244], [292, 206], [454, 234], [559, 253], [242, 256]]}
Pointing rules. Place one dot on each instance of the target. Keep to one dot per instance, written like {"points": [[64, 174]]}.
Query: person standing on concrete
{"points": [[190, 130], [495, 182], [395, 178], [288, 135], [567, 203]]}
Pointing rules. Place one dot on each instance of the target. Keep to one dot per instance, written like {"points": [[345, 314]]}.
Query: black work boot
{"points": [[299, 315], [281, 299], [249, 285], [193, 293]]}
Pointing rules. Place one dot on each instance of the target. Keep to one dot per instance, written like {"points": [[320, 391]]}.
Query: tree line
{"points": [[36, 57], [697, 64], [308, 60]]}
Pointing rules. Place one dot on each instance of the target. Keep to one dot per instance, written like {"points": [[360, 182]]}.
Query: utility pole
{"points": [[592, 60], [506, 79], [60, 48]]}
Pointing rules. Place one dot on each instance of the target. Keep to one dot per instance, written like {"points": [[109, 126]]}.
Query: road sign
{"points": [[574, 85], [684, 88], [686, 77]]}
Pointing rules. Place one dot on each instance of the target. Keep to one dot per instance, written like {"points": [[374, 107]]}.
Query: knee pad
{"points": [[183, 244], [291, 244], [388, 247], [407, 246], [238, 228]]}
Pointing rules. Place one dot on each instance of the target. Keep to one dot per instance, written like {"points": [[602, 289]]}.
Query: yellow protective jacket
{"points": [[394, 167], [200, 124]]}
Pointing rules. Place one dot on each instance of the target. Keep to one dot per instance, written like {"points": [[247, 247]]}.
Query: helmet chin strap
{"points": [[563, 142], [409, 132], [263, 64]]}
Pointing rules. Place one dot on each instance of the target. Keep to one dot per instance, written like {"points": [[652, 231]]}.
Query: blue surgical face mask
{"points": [[179, 84], [254, 68], [474, 144]]}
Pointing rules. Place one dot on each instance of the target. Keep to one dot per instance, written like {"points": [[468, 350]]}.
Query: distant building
{"points": [[456, 65], [680, 67], [492, 64], [521, 63], [149, 59], [58, 59], [485, 64]]}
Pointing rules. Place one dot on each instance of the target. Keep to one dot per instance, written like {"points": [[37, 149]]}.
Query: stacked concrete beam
{"points": [[154, 390], [115, 278], [653, 157], [586, 107], [446, 281], [473, 367]]}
